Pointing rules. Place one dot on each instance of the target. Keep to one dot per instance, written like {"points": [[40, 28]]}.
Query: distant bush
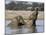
{"points": [[21, 6]]}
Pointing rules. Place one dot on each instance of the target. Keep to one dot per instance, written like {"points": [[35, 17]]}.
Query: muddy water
{"points": [[39, 28]]}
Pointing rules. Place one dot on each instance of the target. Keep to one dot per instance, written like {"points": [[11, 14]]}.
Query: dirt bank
{"points": [[10, 14]]}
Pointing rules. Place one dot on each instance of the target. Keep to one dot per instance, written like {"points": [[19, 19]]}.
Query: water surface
{"points": [[39, 28]]}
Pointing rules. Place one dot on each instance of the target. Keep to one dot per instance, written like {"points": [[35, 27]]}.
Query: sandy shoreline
{"points": [[10, 14]]}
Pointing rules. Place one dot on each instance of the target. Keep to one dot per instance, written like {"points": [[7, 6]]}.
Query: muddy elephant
{"points": [[34, 16], [20, 20], [16, 22]]}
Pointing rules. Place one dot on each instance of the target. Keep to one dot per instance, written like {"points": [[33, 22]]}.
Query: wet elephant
{"points": [[20, 20], [34, 16], [16, 22]]}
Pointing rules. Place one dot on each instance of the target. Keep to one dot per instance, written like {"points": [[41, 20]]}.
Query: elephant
{"points": [[16, 22], [34, 16]]}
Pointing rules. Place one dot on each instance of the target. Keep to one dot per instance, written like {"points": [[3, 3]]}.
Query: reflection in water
{"points": [[23, 29]]}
